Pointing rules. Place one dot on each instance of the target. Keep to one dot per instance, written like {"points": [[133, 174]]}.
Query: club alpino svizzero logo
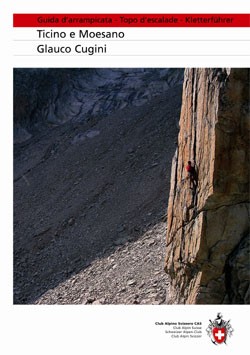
{"points": [[219, 330]]}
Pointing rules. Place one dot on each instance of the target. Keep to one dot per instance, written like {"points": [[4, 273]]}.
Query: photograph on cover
{"points": [[131, 186]]}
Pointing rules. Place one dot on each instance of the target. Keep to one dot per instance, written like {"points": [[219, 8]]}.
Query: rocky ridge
{"points": [[47, 97]]}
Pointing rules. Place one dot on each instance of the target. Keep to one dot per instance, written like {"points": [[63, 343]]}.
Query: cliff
{"points": [[208, 226]]}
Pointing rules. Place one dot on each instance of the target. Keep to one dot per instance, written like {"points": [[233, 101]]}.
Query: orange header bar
{"points": [[131, 20]]}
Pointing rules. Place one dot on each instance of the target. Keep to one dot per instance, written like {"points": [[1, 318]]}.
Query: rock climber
{"points": [[192, 175]]}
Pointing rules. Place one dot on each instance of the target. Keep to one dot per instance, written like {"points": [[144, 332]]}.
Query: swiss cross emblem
{"points": [[219, 329], [219, 334]]}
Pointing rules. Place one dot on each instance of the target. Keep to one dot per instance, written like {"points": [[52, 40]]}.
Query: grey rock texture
{"points": [[130, 274], [56, 96], [237, 273]]}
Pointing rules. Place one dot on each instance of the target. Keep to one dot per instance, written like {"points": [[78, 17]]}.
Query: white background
{"points": [[101, 329]]}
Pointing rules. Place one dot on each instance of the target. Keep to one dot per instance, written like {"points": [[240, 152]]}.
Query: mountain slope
{"points": [[88, 190]]}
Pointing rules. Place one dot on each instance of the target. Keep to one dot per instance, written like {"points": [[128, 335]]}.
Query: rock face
{"points": [[55, 96], [208, 226]]}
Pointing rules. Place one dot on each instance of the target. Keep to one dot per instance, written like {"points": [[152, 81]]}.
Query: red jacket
{"points": [[190, 169]]}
